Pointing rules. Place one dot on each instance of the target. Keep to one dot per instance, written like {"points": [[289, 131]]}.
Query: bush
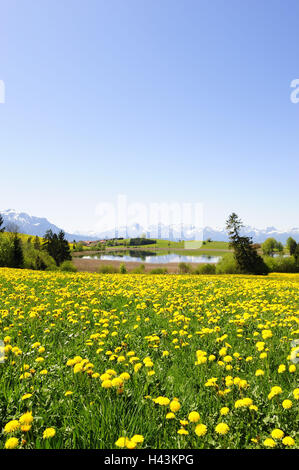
{"points": [[107, 269], [206, 268], [37, 259], [5, 251], [281, 264], [123, 269], [139, 270], [78, 247], [52, 268], [141, 241], [68, 266], [159, 271], [184, 268], [227, 265]]}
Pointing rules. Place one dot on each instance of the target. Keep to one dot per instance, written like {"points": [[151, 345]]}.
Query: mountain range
{"points": [[39, 225]]}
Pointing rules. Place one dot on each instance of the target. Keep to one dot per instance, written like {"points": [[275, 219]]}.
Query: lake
{"points": [[158, 259]]}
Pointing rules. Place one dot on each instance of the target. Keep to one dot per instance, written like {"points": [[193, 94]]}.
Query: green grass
{"points": [[195, 252]]}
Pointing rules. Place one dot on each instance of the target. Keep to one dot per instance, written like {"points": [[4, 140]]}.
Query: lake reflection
{"points": [[158, 259]]}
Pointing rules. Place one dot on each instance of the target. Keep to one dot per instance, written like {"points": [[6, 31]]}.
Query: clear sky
{"points": [[169, 100]]}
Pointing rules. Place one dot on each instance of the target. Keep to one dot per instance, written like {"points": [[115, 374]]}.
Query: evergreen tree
{"points": [[57, 246], [291, 245], [246, 256], [40, 264], [49, 244], [17, 253], [37, 244], [64, 248], [1, 223]]}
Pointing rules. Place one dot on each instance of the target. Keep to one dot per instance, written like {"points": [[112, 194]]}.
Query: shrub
{"points": [[139, 270], [68, 267], [78, 247], [206, 268], [158, 271], [37, 259], [123, 269], [52, 268], [281, 264], [227, 265], [184, 268], [107, 269], [5, 251]]}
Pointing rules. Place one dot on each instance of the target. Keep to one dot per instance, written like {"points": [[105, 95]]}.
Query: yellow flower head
{"points": [[194, 417], [269, 443], [174, 406], [11, 426], [48, 433], [222, 428], [277, 434], [11, 443], [138, 438], [27, 395], [107, 384], [201, 430], [26, 418], [288, 441], [121, 442], [183, 431]]}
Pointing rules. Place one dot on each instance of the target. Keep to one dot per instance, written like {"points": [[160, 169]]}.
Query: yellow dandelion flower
{"points": [[288, 441], [174, 406], [269, 442], [287, 404], [11, 426], [222, 428], [11, 443], [201, 430], [27, 395], [277, 434], [194, 417], [48, 433], [26, 418]]}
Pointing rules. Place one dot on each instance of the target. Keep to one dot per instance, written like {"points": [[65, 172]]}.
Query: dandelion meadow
{"points": [[144, 361]]}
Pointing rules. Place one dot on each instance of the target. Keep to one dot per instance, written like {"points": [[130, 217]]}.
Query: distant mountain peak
{"points": [[35, 225], [39, 225]]}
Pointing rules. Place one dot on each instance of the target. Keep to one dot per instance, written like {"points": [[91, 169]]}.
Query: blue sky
{"points": [[169, 100]]}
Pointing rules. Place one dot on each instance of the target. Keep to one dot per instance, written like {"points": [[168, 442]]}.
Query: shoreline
{"points": [[92, 265]]}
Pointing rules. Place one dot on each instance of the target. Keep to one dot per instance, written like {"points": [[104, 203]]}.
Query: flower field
{"points": [[144, 361]]}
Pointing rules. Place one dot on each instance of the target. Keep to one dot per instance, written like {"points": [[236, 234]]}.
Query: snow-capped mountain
{"points": [[34, 225], [185, 232], [39, 225]]}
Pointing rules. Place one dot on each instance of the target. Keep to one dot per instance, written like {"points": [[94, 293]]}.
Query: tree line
{"points": [[51, 252]]}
